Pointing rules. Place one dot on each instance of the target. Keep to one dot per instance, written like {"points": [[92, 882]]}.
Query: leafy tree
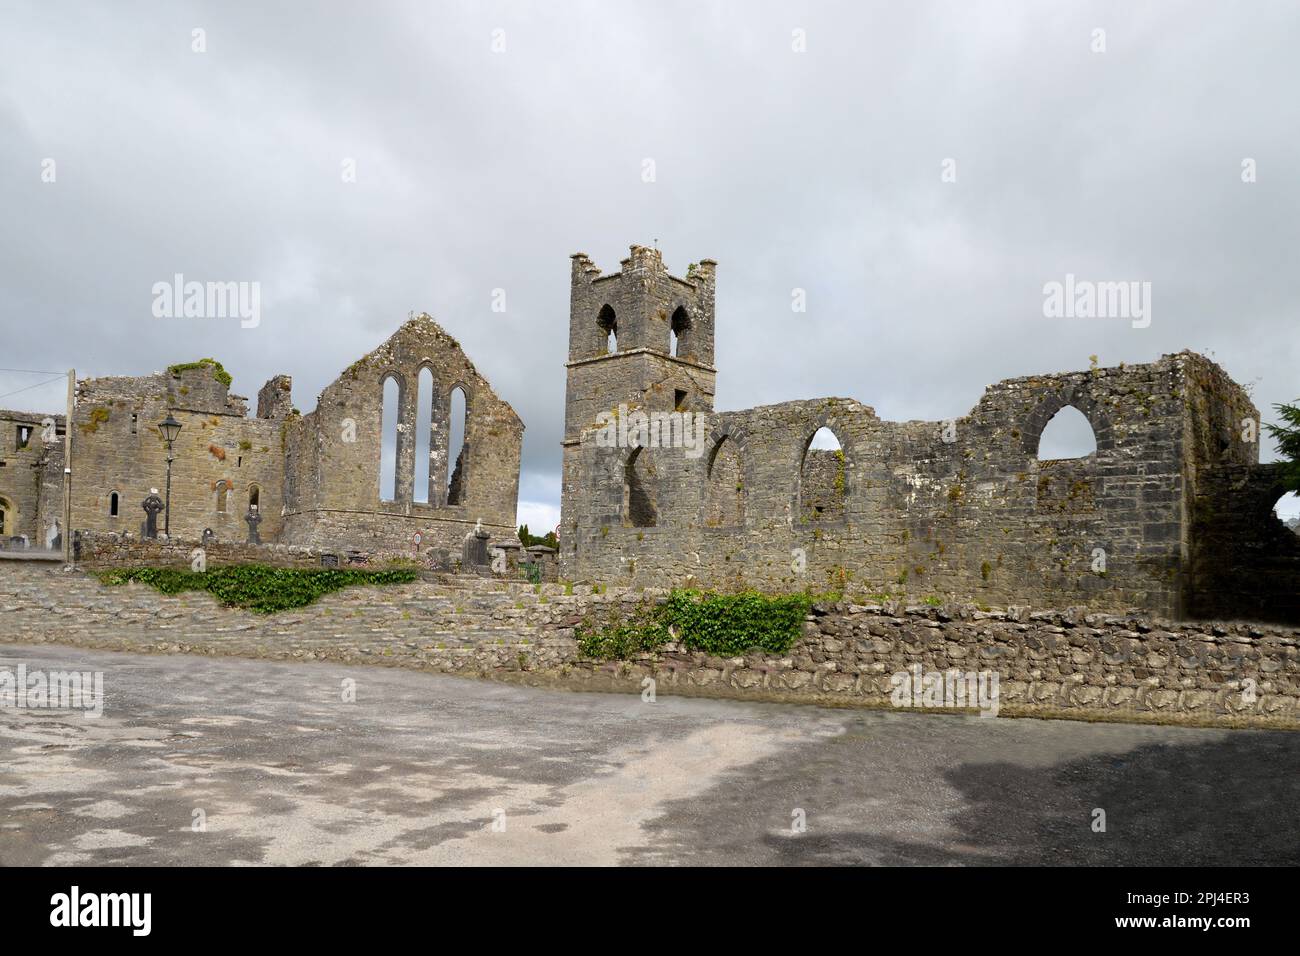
{"points": [[1287, 436], [528, 540]]}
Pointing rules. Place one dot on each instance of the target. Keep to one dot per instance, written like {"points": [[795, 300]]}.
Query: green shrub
{"points": [[617, 640], [255, 586], [731, 624], [723, 624]]}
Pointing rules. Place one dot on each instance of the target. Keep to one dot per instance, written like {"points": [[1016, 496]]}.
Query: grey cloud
{"points": [[821, 171]]}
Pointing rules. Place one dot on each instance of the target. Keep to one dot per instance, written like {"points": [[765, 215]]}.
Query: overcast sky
{"points": [[481, 169]]}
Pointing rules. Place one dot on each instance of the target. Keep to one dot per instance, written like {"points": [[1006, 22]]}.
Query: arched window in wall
{"points": [[1068, 434], [423, 435], [822, 478], [254, 498], [5, 511], [679, 331], [457, 446], [1287, 510], [112, 504], [725, 497], [388, 439], [223, 495], [608, 323], [639, 509]]}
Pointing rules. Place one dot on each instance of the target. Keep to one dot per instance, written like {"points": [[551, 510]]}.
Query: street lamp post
{"points": [[170, 428]]}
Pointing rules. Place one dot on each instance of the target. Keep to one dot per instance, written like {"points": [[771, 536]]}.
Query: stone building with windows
{"points": [[31, 480], [316, 480], [1171, 512]]}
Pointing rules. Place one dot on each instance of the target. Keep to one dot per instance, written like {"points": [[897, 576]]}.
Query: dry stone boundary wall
{"points": [[1067, 663]]}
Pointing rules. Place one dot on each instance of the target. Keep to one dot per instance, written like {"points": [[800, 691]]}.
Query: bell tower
{"points": [[639, 338]]}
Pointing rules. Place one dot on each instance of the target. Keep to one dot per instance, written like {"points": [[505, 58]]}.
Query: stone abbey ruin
{"points": [[252, 485], [1170, 515]]}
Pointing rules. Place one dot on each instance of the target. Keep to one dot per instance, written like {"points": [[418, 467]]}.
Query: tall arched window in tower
{"points": [[1068, 434], [679, 332], [223, 494], [457, 446], [725, 496], [639, 509], [254, 498], [608, 323], [388, 439], [112, 504], [423, 435], [822, 478]]}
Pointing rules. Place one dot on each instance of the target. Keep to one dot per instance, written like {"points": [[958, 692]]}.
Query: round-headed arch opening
{"points": [[607, 321], [1287, 510], [822, 478], [679, 329]]}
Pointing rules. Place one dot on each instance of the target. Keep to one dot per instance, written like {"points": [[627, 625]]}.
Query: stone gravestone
{"points": [[474, 554], [253, 519], [152, 505]]}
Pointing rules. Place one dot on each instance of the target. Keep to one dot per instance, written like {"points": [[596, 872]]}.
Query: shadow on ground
{"points": [[1232, 801]]}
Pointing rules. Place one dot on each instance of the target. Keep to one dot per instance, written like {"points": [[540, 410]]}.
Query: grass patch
{"points": [[257, 587]]}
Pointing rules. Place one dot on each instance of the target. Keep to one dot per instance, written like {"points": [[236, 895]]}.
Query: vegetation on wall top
{"points": [[218, 370]]}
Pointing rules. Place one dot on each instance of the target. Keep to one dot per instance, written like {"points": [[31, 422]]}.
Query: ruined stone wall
{"points": [[333, 458], [221, 455], [99, 549], [1049, 663], [976, 517], [1058, 663], [1243, 561], [315, 479], [31, 476], [962, 509], [107, 549]]}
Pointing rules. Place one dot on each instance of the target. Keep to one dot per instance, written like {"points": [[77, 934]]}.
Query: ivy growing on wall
{"points": [[258, 587], [722, 624]]}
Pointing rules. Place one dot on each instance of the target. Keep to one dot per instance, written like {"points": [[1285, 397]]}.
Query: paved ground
{"points": [[425, 768]]}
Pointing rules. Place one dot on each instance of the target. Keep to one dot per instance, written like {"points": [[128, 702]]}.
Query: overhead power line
{"points": [[37, 385]]}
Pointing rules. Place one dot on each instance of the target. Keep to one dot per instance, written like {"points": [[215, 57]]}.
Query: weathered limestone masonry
{"points": [[97, 549], [962, 509], [1065, 664], [31, 478], [312, 482], [224, 460], [332, 494]]}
